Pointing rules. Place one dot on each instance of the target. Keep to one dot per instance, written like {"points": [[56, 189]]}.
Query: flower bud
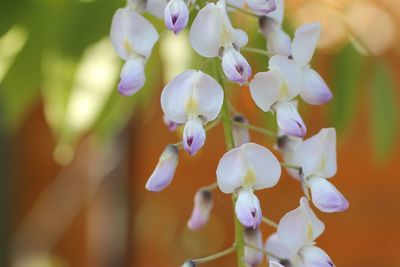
{"points": [[194, 135], [176, 15], [203, 203], [315, 257], [248, 209], [262, 7], [132, 77], [289, 120], [172, 126], [326, 197], [189, 263], [235, 66], [240, 134], [253, 237], [164, 172]]}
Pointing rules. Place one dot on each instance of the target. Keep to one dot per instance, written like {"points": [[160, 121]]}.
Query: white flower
{"points": [[317, 158], [212, 35], [193, 98], [203, 203], [164, 172], [295, 239], [244, 169], [274, 90], [133, 38], [176, 15]]}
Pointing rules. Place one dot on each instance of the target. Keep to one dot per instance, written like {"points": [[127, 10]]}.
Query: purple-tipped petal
{"points": [[253, 237], [248, 209], [235, 66], [326, 197], [262, 7], [164, 172], [315, 257], [194, 135], [132, 77], [241, 134], [172, 126], [176, 15], [315, 90], [289, 120], [203, 203]]}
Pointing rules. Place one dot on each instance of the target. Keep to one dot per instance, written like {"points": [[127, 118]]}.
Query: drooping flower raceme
{"points": [[275, 89], [212, 35], [133, 38], [317, 158], [176, 15], [164, 172], [203, 203], [295, 239], [245, 169], [193, 98]]}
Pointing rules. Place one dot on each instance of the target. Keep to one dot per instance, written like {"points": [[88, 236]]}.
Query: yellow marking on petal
{"points": [[249, 179], [309, 232], [191, 106], [283, 91], [128, 47]]}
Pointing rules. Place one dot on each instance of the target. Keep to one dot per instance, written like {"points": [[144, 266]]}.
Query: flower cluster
{"points": [[196, 101]]}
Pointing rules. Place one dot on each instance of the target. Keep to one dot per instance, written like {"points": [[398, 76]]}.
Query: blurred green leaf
{"points": [[347, 69], [383, 110]]}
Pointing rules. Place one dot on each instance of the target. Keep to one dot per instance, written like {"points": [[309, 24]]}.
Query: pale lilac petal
{"points": [[194, 136], [315, 257], [279, 11], [253, 237], [276, 247], [304, 43], [317, 154], [279, 43], [176, 15], [203, 203], [315, 90], [131, 34], [262, 7], [156, 7], [132, 77], [264, 89], [289, 120], [241, 134], [248, 209], [235, 66], [172, 126], [275, 264], [164, 172], [326, 197], [189, 263]]}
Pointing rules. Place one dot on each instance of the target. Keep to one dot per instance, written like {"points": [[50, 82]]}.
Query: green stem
{"points": [[256, 51], [227, 123], [255, 128], [270, 222], [215, 256], [244, 11]]}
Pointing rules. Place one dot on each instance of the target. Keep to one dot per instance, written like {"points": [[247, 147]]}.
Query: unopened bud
{"points": [[203, 203]]}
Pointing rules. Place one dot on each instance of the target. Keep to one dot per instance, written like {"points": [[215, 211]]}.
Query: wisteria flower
{"points": [[213, 35], [245, 169], [193, 98], [295, 239], [203, 203], [317, 158], [176, 15], [273, 91], [133, 38]]}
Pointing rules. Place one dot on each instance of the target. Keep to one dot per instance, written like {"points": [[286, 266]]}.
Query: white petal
{"points": [[289, 120], [249, 165], [192, 93], [275, 264], [291, 75], [211, 30], [176, 15], [279, 43], [317, 155], [194, 135], [299, 227], [203, 203], [253, 237], [164, 172], [235, 66], [315, 257], [326, 197], [131, 34], [132, 77], [264, 89], [156, 7], [279, 11], [304, 43], [315, 90], [248, 209], [276, 247], [262, 7], [241, 135]]}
